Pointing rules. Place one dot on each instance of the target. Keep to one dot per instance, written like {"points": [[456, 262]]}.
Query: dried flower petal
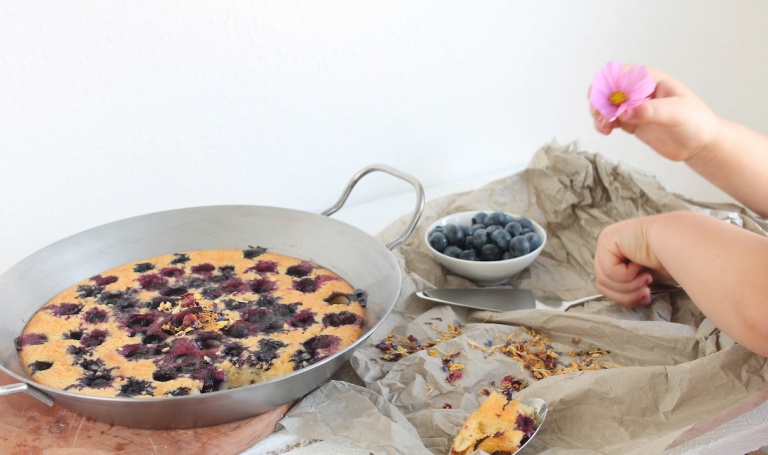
{"points": [[394, 350], [542, 361], [451, 378]]}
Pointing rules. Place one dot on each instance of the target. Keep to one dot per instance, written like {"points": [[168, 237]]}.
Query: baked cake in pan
{"points": [[189, 323]]}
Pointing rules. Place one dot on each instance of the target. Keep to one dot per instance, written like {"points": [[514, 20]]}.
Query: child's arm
{"points": [[721, 267]]}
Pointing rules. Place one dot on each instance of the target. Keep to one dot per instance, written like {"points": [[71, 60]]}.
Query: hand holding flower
{"points": [[653, 106]]}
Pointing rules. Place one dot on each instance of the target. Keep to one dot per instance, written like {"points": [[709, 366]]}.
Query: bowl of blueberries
{"points": [[488, 247]]}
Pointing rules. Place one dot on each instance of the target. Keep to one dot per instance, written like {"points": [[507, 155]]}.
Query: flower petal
{"points": [[636, 73], [611, 112], [619, 110], [601, 103], [629, 104], [639, 82], [614, 74], [642, 89], [603, 84]]}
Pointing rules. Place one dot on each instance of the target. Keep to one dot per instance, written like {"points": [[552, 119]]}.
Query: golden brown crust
{"points": [[493, 427], [190, 323]]}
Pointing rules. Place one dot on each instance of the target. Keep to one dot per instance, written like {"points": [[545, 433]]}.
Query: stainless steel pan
{"points": [[355, 255]]}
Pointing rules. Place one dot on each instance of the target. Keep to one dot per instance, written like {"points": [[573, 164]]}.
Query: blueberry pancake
{"points": [[189, 323]]}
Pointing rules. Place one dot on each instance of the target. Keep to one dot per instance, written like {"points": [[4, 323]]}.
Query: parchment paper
{"points": [[677, 377]]}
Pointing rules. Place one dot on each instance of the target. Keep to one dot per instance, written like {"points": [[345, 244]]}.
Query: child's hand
{"points": [[625, 264], [674, 121], [720, 266]]}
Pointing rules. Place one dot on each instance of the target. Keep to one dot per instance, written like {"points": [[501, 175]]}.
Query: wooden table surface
{"points": [[30, 427]]}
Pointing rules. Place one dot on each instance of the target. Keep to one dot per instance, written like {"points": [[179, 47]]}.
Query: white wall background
{"points": [[115, 109]]}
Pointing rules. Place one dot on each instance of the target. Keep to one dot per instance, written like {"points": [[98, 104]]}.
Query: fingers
{"points": [[602, 125], [633, 293], [620, 263], [658, 111], [625, 283]]}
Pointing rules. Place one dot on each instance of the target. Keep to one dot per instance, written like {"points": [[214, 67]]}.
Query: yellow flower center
{"points": [[617, 97]]}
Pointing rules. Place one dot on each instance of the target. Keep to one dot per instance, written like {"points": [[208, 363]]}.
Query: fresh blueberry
{"points": [[468, 255], [490, 252], [476, 226], [534, 240], [454, 234], [514, 228], [469, 242], [493, 228], [468, 230], [479, 218], [438, 241], [480, 238], [501, 238], [452, 251], [506, 255], [524, 222], [497, 218], [519, 246]]}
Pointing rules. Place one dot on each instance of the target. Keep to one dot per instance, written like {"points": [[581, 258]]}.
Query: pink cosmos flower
{"points": [[615, 90]]}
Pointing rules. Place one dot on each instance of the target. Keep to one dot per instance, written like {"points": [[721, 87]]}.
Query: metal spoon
{"points": [[553, 303]]}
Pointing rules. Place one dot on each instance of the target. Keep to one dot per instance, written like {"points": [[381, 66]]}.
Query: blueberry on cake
{"points": [[499, 426], [189, 323]]}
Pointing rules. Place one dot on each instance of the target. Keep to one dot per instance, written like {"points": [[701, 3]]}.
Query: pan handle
{"points": [[396, 173], [25, 388]]}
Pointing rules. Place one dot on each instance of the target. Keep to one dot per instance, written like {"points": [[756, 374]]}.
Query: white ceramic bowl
{"points": [[483, 273]]}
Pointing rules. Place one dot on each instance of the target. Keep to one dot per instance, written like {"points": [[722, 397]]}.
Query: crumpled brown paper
{"points": [[677, 375]]}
